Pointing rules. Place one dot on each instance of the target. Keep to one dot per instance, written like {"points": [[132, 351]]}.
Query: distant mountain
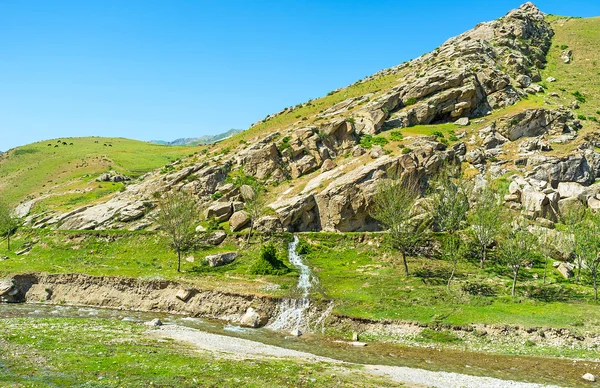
{"points": [[207, 139]]}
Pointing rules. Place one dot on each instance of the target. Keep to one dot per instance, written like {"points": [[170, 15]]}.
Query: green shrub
{"points": [[598, 112], [578, 96], [437, 134], [268, 263], [213, 224], [581, 117], [368, 141], [410, 101], [303, 247], [216, 195], [592, 118], [564, 47], [351, 120], [396, 136], [475, 288], [453, 138], [406, 150]]}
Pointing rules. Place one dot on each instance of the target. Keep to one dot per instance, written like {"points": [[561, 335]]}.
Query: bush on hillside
{"points": [[268, 263]]}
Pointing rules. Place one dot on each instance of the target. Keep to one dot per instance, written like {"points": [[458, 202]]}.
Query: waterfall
{"points": [[293, 313]]}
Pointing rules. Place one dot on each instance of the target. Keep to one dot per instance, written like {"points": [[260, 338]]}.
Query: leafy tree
{"points": [[485, 220], [8, 223], [450, 204], [576, 232], [393, 207], [177, 218], [517, 247], [454, 249], [254, 198], [588, 247]]}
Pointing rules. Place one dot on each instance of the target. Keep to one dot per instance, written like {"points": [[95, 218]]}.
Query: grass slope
{"points": [[37, 169], [102, 353]]}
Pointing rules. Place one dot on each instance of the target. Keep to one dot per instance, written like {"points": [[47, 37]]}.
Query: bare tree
{"points": [[8, 222], [255, 203], [517, 247], [450, 206], [393, 207], [177, 218], [485, 220]]}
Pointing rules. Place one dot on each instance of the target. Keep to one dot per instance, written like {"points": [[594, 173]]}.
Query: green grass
{"points": [[580, 79], [102, 353], [139, 255], [37, 168], [368, 281]]}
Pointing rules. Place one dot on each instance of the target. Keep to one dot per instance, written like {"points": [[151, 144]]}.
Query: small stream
{"points": [[292, 315]]}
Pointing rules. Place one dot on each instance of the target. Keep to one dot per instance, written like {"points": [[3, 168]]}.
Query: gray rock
{"points": [[220, 259], [216, 238], [475, 157], [550, 79], [565, 269], [566, 56], [296, 332], [253, 318], [239, 220], [154, 323], [464, 121], [524, 81], [328, 165], [570, 189], [183, 294], [221, 211], [589, 377], [570, 205], [6, 285]]}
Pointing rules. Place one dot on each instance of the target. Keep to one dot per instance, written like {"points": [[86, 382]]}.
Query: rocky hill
{"points": [[507, 99]]}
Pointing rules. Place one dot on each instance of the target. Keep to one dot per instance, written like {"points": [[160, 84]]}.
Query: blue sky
{"points": [[152, 69]]}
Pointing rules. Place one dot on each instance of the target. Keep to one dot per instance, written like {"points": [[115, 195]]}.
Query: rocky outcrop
{"points": [[220, 259], [536, 122], [581, 168]]}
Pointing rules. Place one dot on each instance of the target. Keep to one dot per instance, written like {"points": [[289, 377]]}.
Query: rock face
{"points": [[221, 259], [535, 122]]}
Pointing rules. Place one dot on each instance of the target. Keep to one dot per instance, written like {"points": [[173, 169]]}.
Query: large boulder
{"points": [[253, 318], [220, 259], [239, 220], [221, 211]]}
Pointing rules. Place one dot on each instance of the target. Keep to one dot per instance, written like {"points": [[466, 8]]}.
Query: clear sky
{"points": [[165, 69]]}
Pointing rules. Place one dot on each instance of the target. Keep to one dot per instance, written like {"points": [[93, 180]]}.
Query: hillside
{"points": [[66, 176], [322, 159]]}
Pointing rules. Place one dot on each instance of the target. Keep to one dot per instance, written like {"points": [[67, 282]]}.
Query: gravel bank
{"points": [[243, 348]]}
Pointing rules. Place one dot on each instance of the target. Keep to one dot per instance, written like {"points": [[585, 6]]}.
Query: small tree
{"points": [[588, 247], [454, 250], [8, 223], [255, 203], [450, 206], [393, 207], [517, 247], [576, 232], [485, 220], [177, 217]]}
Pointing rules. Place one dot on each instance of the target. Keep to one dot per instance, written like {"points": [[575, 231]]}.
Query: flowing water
{"points": [[539, 369], [294, 313]]}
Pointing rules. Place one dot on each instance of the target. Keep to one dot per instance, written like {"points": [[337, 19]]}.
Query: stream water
{"points": [[533, 369], [292, 314]]}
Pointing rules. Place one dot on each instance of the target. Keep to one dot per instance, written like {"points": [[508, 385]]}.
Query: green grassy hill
{"points": [[69, 172]]}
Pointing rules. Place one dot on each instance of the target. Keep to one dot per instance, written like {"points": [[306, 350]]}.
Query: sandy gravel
{"points": [[242, 348]]}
